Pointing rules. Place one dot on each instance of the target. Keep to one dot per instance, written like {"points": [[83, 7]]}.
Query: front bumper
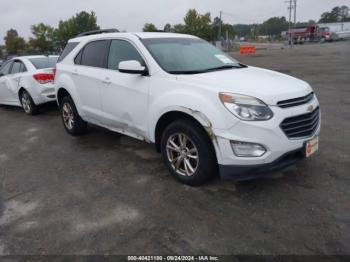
{"points": [[240, 173], [281, 150]]}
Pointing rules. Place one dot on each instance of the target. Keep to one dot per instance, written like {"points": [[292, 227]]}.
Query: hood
{"points": [[266, 85]]}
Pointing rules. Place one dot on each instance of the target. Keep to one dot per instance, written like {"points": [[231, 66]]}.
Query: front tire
{"points": [[72, 121], [27, 103], [188, 152]]}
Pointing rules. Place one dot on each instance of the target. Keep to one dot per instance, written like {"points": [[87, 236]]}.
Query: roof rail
{"points": [[95, 32]]}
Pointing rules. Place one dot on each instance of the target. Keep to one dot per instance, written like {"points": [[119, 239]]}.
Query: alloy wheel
{"points": [[26, 102], [68, 116], [182, 154]]}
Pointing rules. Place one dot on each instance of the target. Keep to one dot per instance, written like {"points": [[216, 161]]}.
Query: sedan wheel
{"points": [[27, 103]]}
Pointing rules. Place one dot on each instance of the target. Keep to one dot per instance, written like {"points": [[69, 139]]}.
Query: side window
{"points": [[122, 50], [77, 59], [5, 69], [16, 67], [95, 54], [23, 68], [69, 47]]}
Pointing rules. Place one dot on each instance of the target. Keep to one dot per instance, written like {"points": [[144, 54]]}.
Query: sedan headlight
{"points": [[246, 107]]}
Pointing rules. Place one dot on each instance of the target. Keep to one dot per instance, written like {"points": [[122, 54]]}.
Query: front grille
{"points": [[302, 125], [296, 101]]}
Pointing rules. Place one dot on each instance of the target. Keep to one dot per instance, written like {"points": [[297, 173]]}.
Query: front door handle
{"points": [[106, 81], [75, 72]]}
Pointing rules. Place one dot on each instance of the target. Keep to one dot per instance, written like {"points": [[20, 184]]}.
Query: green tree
{"points": [[149, 27], [216, 27], [198, 25], [338, 14], [15, 45], [243, 30], [42, 42], [226, 29], [179, 28], [273, 26], [81, 22], [167, 28]]}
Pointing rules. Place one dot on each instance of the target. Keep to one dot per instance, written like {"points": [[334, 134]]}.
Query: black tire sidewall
{"points": [[207, 165]]}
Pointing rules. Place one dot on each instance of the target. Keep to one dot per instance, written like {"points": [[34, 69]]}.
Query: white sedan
{"points": [[27, 81]]}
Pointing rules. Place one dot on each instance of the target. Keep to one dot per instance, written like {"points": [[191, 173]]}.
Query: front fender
{"points": [[205, 108]]}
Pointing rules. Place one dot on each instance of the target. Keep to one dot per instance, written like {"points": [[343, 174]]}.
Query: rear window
{"points": [[43, 62], [69, 47]]}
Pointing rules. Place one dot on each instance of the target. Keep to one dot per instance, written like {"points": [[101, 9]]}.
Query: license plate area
{"points": [[311, 146]]}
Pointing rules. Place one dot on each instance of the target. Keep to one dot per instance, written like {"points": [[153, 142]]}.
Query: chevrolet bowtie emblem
{"points": [[310, 108]]}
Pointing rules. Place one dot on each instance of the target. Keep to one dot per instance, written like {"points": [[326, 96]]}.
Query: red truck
{"points": [[303, 34]]}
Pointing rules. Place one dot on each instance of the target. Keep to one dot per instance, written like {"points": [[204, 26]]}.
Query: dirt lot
{"points": [[105, 193]]}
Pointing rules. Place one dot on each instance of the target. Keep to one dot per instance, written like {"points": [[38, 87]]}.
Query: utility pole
{"points": [[290, 7], [295, 13], [220, 26]]}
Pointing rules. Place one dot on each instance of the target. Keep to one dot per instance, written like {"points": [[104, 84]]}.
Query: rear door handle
{"points": [[75, 72], [106, 81]]}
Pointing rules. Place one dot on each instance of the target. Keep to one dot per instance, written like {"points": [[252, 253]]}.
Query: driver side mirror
{"points": [[132, 67]]}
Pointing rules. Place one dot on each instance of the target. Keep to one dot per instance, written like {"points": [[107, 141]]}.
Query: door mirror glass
{"points": [[132, 67]]}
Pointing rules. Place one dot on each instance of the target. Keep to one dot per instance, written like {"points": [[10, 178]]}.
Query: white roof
{"points": [[161, 35], [142, 35], [34, 56]]}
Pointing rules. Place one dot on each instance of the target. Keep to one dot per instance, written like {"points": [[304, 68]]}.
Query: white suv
{"points": [[204, 111]]}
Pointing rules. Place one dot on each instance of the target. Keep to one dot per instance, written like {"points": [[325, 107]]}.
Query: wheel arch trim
{"points": [[196, 115]]}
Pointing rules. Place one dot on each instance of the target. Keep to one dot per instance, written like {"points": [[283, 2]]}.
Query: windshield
{"points": [[44, 62], [188, 55]]}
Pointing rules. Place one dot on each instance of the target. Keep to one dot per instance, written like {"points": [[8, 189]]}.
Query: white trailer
{"points": [[340, 30]]}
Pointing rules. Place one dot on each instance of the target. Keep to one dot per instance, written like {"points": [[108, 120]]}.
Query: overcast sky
{"points": [[131, 15]]}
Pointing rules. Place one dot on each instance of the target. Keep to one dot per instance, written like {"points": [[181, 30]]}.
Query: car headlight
{"points": [[246, 107]]}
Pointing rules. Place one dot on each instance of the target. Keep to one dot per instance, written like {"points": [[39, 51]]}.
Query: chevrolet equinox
{"points": [[204, 111]]}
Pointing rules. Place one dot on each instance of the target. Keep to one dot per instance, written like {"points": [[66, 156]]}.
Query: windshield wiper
{"points": [[222, 68], [191, 72]]}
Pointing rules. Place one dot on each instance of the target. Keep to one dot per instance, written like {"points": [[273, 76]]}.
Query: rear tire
{"points": [[188, 152], [27, 103], [72, 121]]}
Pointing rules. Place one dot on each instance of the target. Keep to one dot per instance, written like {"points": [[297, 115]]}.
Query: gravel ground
{"points": [[105, 193]]}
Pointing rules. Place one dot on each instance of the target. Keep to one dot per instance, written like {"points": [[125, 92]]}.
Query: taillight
{"points": [[44, 78]]}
